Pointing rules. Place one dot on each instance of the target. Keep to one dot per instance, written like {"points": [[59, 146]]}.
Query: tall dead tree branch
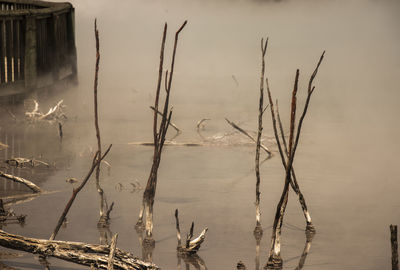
{"points": [[293, 181], [274, 259], [159, 133], [104, 217], [258, 229]]}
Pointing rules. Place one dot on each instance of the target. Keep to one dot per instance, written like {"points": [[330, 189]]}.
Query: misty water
{"points": [[346, 163]]}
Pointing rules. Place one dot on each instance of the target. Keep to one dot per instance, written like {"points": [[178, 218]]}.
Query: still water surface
{"points": [[347, 161]]}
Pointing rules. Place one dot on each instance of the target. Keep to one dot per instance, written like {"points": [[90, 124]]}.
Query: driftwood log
{"points": [[21, 180], [76, 252]]}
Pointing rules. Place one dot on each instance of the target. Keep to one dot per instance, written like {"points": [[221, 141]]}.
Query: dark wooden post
{"points": [[30, 53], [395, 253]]}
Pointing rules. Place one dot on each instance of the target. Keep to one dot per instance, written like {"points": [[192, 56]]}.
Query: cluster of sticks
{"points": [[287, 153], [191, 245]]}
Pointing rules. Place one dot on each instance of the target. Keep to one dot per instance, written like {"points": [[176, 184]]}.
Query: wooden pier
{"points": [[37, 46]]}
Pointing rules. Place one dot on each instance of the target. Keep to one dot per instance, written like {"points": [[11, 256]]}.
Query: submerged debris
{"points": [[240, 266], [22, 162], [54, 115], [71, 180], [134, 187], [9, 215]]}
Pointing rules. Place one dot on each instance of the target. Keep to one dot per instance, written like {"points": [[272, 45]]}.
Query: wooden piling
{"points": [[395, 253]]}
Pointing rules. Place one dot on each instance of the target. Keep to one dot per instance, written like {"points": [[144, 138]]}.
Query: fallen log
{"points": [[76, 252], [21, 180]]}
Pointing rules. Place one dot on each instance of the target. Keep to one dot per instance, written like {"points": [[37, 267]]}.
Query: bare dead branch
{"points": [[310, 91], [21, 180], [159, 134], [96, 160], [96, 74], [293, 181], [258, 228], [274, 259]]}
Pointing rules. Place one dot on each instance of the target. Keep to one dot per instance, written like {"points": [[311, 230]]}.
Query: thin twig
{"points": [[171, 124], [235, 126], [259, 134], [96, 115]]}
